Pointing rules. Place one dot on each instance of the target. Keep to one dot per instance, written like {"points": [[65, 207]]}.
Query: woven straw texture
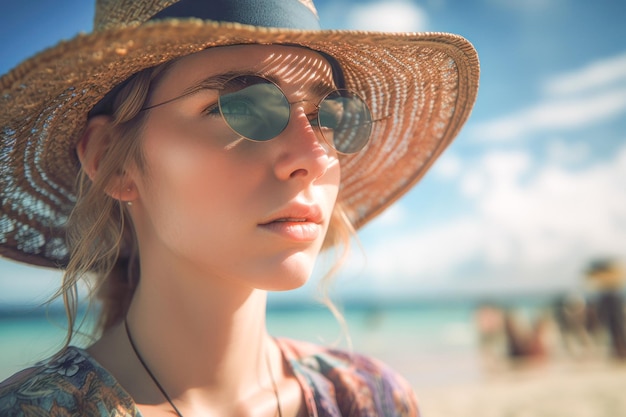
{"points": [[422, 86]]}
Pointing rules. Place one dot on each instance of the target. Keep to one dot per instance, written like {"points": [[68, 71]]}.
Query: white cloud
{"points": [[595, 75], [572, 100], [422, 255], [559, 215], [448, 166], [388, 16], [561, 152], [531, 228], [554, 115], [392, 216], [495, 171]]}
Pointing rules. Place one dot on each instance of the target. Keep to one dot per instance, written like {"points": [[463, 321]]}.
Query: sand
{"points": [[571, 389]]}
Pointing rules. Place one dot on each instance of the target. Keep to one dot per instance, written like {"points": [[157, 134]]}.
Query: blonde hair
{"points": [[100, 234]]}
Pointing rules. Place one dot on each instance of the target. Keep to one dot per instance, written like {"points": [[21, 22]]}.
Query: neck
{"points": [[204, 340]]}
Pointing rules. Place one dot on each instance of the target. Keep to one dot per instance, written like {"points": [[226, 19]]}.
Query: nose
{"points": [[303, 153]]}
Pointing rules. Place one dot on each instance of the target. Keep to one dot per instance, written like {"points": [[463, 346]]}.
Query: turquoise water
{"points": [[427, 344]]}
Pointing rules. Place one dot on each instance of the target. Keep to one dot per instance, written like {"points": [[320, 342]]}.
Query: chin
{"points": [[289, 284], [290, 273], [286, 281], [272, 270]]}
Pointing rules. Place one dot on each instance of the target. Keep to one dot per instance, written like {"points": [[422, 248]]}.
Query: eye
{"points": [[236, 105], [329, 119], [213, 110], [330, 113]]}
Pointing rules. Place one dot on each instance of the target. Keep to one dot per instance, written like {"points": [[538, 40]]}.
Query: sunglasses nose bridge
{"points": [[309, 107], [306, 109], [303, 109], [310, 110]]}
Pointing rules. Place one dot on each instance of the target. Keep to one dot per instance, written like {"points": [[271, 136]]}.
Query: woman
{"points": [[189, 167]]}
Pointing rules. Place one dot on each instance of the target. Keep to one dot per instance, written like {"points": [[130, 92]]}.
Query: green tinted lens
{"points": [[254, 107], [345, 121]]}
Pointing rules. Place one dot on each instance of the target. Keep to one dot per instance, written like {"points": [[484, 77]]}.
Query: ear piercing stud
{"points": [[129, 203]]}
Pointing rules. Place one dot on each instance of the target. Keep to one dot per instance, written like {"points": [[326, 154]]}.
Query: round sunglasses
{"points": [[256, 109]]}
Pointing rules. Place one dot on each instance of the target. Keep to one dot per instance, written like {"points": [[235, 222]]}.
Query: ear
{"points": [[92, 146]]}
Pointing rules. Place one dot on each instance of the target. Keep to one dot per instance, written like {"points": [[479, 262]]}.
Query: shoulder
{"points": [[68, 384], [356, 384]]}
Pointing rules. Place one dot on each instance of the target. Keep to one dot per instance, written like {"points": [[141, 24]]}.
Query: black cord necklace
{"points": [[167, 397]]}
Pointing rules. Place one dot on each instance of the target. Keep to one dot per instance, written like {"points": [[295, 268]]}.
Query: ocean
{"points": [[428, 343]]}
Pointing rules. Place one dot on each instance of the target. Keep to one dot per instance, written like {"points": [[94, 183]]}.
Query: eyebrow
{"points": [[214, 82], [217, 82]]}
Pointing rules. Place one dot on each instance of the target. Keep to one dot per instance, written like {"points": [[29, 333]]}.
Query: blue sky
{"points": [[529, 192]]}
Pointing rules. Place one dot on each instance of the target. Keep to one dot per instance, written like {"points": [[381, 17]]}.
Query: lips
{"points": [[296, 222], [302, 213]]}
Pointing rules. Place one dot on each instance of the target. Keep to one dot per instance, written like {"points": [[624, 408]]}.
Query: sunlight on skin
{"points": [[284, 65]]}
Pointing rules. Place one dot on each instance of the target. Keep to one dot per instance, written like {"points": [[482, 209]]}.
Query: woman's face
{"points": [[211, 204]]}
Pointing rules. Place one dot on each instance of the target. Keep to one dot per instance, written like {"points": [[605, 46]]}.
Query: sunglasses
{"points": [[256, 109]]}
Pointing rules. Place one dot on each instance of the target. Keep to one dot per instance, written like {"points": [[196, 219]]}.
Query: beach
{"points": [[594, 388], [436, 348]]}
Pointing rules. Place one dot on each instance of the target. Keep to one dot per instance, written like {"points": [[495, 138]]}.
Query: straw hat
{"points": [[422, 86]]}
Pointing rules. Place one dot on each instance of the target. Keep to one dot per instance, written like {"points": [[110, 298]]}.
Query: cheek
{"points": [[183, 159], [194, 185], [331, 179], [188, 203]]}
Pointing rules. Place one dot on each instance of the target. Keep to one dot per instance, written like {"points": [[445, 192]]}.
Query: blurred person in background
{"points": [[528, 341], [608, 276], [492, 340], [575, 316]]}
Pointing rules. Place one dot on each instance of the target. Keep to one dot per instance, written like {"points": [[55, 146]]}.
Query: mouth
{"points": [[290, 219], [296, 213], [302, 223]]}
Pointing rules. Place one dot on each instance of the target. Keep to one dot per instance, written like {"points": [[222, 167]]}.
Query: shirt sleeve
{"points": [[69, 384], [342, 383]]}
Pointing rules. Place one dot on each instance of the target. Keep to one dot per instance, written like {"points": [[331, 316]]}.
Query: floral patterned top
{"points": [[335, 383]]}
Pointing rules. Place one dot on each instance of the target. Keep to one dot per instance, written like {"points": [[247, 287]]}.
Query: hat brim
{"points": [[420, 87]]}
